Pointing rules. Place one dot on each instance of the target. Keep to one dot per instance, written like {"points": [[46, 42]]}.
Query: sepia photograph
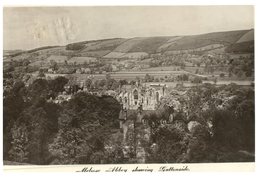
{"points": [[112, 85]]}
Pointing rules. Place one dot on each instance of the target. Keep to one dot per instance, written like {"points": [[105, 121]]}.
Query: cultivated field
{"points": [[188, 84], [122, 75]]}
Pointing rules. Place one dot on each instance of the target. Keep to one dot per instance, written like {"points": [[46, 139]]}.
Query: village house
{"points": [[114, 68], [78, 71], [50, 70], [86, 70]]}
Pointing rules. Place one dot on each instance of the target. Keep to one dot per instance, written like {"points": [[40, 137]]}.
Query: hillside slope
{"points": [[249, 36], [241, 41], [196, 41]]}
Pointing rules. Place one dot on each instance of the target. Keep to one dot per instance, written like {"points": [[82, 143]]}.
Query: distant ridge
{"points": [[241, 41]]}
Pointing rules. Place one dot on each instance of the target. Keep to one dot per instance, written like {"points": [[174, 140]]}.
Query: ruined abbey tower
{"points": [[137, 101], [133, 97]]}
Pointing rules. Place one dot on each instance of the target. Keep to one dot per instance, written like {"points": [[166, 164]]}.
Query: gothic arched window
{"points": [[136, 95], [163, 90], [157, 96]]}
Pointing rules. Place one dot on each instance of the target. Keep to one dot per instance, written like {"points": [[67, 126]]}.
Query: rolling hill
{"points": [[243, 45], [249, 36], [241, 41], [197, 41]]}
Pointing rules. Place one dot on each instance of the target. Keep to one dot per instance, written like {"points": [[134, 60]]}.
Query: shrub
{"points": [[222, 75], [75, 46]]}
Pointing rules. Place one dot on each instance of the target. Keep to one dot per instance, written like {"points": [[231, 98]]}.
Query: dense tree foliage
{"points": [[36, 130], [191, 125], [85, 123], [205, 122]]}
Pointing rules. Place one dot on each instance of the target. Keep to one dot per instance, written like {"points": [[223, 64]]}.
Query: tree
{"points": [[100, 83], [246, 112], [19, 88], [54, 65], [19, 151], [240, 73], [198, 146], [108, 76], [137, 79], [75, 46], [26, 62], [33, 130], [112, 84], [182, 65], [225, 127], [171, 145], [123, 82], [222, 75], [41, 73], [57, 85], [115, 85], [132, 82], [148, 78], [88, 83], [66, 146], [114, 150], [8, 68], [197, 80], [39, 88], [183, 77], [13, 105], [215, 80], [156, 80], [85, 124]]}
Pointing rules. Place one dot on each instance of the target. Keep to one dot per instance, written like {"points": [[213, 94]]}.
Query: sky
{"points": [[31, 27]]}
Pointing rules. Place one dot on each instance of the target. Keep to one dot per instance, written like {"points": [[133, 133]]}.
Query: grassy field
{"points": [[134, 55], [249, 36], [114, 55], [105, 45], [170, 42], [161, 68], [122, 75], [242, 47], [196, 41], [149, 45], [142, 44], [98, 53], [189, 84], [127, 45]]}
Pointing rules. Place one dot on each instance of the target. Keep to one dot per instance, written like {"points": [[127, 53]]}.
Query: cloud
{"points": [[30, 27], [54, 31]]}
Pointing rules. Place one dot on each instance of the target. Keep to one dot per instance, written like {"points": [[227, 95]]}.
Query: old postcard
{"points": [[128, 88]]}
